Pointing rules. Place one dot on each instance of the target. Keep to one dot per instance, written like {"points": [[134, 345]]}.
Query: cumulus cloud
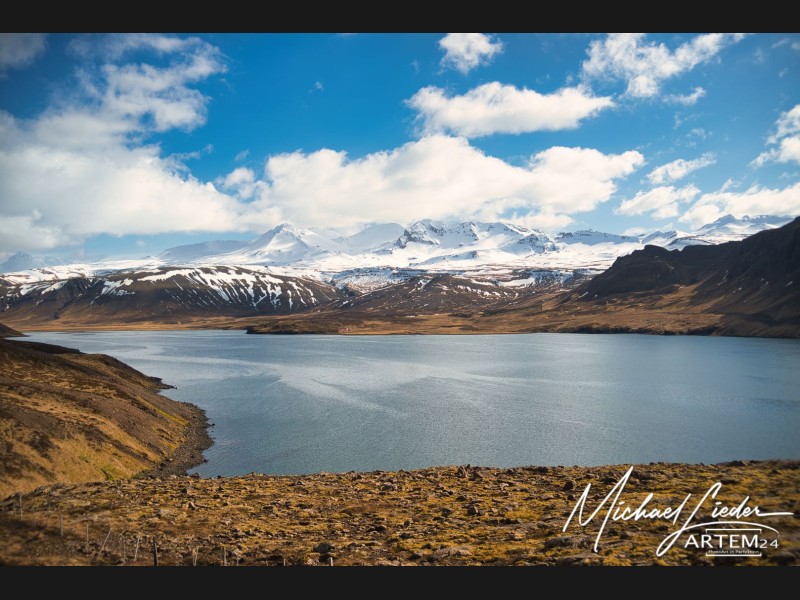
{"points": [[18, 50], [83, 166], [87, 166], [241, 182], [786, 140], [680, 168], [497, 108], [439, 177], [661, 202], [465, 51], [84, 191], [756, 200], [644, 66]]}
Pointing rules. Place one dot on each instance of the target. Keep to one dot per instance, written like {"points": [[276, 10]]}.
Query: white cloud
{"points": [[787, 124], [786, 138], [439, 177], [787, 42], [18, 50], [661, 202], [687, 99], [115, 46], [84, 167], [497, 108], [242, 155], [634, 231], [24, 232], [699, 132], [241, 182], [465, 51], [113, 190], [645, 66], [160, 99], [81, 167], [680, 168], [756, 200], [132, 192]]}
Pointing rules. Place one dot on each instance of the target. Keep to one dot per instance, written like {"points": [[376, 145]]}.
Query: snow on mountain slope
{"points": [[372, 237], [590, 237], [727, 229], [191, 252], [378, 254], [164, 293], [21, 261]]}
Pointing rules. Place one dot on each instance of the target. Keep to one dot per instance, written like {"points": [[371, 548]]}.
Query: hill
{"points": [[71, 417]]}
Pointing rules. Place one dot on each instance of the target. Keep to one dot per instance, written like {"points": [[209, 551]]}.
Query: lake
{"points": [[301, 404]]}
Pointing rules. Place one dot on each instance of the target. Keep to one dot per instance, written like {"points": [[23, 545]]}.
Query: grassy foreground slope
{"points": [[71, 417]]}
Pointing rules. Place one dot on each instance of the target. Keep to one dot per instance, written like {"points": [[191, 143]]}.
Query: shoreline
{"points": [[190, 453], [389, 331]]}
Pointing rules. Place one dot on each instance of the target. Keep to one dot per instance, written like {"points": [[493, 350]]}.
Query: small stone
{"points": [[474, 510], [323, 548], [453, 551], [568, 541], [569, 484]]}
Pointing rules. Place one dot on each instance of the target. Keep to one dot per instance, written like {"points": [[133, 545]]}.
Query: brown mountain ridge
{"points": [[745, 288]]}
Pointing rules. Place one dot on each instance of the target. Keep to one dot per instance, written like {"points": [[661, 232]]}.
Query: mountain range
{"points": [[427, 268], [749, 287], [424, 246]]}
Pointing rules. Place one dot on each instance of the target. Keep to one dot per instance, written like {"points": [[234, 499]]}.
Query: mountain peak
{"points": [[21, 261]]}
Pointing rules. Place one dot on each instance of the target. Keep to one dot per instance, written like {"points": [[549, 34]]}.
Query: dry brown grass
{"points": [[437, 516], [72, 417]]}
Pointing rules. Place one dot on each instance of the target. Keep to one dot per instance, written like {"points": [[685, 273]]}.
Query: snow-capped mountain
{"points": [[724, 229], [373, 237], [193, 252], [21, 261], [376, 255], [590, 237], [164, 295], [430, 265]]}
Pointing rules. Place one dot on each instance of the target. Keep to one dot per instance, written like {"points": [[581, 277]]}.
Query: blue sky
{"points": [[124, 145]]}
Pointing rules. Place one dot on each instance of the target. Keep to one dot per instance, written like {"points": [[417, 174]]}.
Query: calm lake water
{"points": [[300, 404]]}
